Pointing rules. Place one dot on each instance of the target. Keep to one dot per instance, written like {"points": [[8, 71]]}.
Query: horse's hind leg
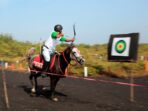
{"points": [[33, 82]]}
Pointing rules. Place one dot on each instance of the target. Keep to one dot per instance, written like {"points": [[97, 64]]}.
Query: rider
{"points": [[50, 44]]}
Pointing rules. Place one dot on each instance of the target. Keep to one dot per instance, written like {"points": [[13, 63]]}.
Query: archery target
{"points": [[123, 47], [120, 46]]}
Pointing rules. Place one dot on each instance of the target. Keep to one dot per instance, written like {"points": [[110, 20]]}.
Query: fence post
{"points": [[85, 72], [146, 66], [6, 65]]}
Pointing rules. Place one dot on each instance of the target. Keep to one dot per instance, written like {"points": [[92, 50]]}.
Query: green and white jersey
{"points": [[52, 41]]}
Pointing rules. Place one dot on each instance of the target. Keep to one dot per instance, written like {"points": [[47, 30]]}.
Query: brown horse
{"points": [[56, 70]]}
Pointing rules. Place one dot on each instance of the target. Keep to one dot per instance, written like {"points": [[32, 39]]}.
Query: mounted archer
{"points": [[49, 46], [52, 65]]}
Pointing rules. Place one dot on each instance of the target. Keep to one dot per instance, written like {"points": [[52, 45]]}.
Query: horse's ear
{"points": [[72, 44]]}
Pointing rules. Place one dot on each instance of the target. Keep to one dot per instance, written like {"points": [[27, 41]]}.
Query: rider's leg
{"points": [[46, 55]]}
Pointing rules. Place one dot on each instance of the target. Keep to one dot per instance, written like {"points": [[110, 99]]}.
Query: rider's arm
{"points": [[63, 38], [70, 40], [54, 35]]}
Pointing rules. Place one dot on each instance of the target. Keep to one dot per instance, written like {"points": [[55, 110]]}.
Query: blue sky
{"points": [[30, 20]]}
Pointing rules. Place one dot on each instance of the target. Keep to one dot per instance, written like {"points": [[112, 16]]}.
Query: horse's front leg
{"points": [[53, 83]]}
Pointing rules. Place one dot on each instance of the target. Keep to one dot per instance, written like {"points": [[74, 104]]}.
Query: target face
{"points": [[120, 46]]}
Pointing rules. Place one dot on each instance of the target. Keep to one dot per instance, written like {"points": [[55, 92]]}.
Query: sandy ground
{"points": [[73, 94]]}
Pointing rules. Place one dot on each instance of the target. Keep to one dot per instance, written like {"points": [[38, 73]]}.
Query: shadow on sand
{"points": [[43, 91]]}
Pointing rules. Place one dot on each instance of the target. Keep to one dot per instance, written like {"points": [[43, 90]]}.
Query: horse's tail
{"points": [[30, 56], [30, 53]]}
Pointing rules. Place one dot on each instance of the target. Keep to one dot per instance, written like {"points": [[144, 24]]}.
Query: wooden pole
{"points": [[5, 88], [131, 87]]}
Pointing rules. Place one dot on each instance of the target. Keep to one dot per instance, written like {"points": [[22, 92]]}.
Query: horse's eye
{"points": [[74, 53]]}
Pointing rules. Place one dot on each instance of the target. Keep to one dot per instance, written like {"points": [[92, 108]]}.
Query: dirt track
{"points": [[73, 94]]}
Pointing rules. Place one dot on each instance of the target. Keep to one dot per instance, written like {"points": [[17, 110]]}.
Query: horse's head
{"points": [[75, 54]]}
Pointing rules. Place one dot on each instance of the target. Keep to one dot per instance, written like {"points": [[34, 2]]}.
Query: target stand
{"points": [[124, 48]]}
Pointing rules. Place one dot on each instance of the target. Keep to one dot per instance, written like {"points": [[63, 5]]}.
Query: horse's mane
{"points": [[69, 46]]}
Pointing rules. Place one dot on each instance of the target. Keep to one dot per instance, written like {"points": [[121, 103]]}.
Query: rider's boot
{"points": [[45, 69]]}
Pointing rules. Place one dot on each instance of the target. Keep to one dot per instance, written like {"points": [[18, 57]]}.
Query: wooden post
{"points": [[85, 71], [146, 66], [131, 87], [5, 88]]}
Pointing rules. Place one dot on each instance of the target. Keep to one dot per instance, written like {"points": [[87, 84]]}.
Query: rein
{"points": [[63, 54], [59, 62], [67, 61], [60, 66], [64, 58]]}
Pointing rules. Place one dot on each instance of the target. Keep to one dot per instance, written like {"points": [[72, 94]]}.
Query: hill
{"points": [[96, 57]]}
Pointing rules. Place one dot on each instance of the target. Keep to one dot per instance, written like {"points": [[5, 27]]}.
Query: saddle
{"points": [[38, 61]]}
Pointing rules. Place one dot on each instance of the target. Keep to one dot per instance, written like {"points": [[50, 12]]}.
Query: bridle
{"points": [[73, 53], [76, 58]]}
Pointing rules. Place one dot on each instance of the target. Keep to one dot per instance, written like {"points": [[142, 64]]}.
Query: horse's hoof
{"points": [[44, 88], [55, 99], [33, 95]]}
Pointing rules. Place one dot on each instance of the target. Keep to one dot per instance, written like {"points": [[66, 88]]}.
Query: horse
{"points": [[56, 70]]}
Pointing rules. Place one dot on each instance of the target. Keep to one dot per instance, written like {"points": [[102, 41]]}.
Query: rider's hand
{"points": [[73, 39], [70, 40], [59, 35]]}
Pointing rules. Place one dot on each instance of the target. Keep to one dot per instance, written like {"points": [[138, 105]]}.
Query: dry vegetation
{"points": [[96, 58]]}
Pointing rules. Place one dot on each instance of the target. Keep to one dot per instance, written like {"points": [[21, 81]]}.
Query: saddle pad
{"points": [[38, 62]]}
